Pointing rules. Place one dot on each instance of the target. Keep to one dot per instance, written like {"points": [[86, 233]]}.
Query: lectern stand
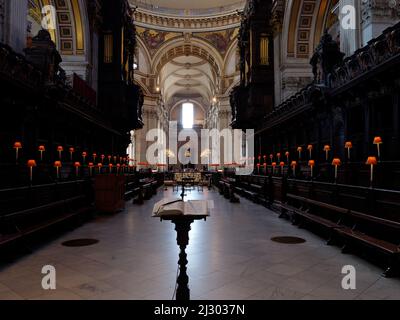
{"points": [[182, 227]]}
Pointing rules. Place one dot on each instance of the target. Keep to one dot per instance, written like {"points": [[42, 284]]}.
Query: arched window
{"points": [[187, 115]]}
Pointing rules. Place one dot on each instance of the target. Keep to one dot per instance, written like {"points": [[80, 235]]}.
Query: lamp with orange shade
{"points": [[110, 166], [287, 154], [99, 166], [94, 155], [71, 153], [310, 149], [91, 166], [278, 155], [58, 165], [327, 148], [282, 165], [258, 167], [41, 149], [77, 165], [378, 141], [311, 164], [102, 158], [109, 159], [274, 164], [348, 145], [299, 150], [294, 165], [17, 146], [84, 155], [31, 165], [372, 161], [336, 162], [118, 167]]}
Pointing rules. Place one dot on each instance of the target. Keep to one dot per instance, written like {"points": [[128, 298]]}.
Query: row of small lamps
{"points": [[336, 162], [91, 165]]}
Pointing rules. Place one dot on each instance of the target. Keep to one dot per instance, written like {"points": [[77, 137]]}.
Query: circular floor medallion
{"points": [[80, 242], [288, 240]]}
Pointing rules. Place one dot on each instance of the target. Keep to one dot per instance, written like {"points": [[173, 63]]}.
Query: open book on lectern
{"points": [[172, 207]]}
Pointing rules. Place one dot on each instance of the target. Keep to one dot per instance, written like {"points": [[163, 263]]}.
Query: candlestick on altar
{"points": [[299, 150], [310, 149], [31, 165], [327, 148], [91, 165], [348, 146], [336, 162], [287, 156], [293, 165], [58, 165], [17, 146], [378, 141], [311, 164], [41, 149], [77, 165], [371, 161]]}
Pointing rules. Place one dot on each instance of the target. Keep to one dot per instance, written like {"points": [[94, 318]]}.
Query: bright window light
{"points": [[187, 115]]}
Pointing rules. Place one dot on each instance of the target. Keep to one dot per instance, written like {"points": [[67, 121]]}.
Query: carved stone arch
{"points": [[195, 47], [142, 45], [72, 25], [303, 26], [233, 47]]}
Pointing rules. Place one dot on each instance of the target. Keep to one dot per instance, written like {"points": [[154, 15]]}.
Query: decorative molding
{"points": [[186, 24]]}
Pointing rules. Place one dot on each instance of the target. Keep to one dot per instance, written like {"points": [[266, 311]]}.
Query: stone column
{"points": [[376, 16]]}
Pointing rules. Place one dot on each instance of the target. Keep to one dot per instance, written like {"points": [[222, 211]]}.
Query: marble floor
{"points": [[230, 257]]}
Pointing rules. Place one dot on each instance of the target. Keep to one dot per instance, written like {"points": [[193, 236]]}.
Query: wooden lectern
{"points": [[182, 223]]}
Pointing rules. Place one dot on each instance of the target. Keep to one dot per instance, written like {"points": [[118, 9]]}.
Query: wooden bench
{"points": [[353, 227], [23, 223]]}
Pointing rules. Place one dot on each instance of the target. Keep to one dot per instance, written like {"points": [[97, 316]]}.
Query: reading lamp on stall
{"points": [[41, 149], [294, 165], [31, 165], [287, 154], [310, 149], [327, 148], [336, 162], [282, 165], [299, 150], [348, 146], [371, 161], [91, 166], [378, 141], [311, 164], [77, 165], [17, 146], [58, 165]]}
